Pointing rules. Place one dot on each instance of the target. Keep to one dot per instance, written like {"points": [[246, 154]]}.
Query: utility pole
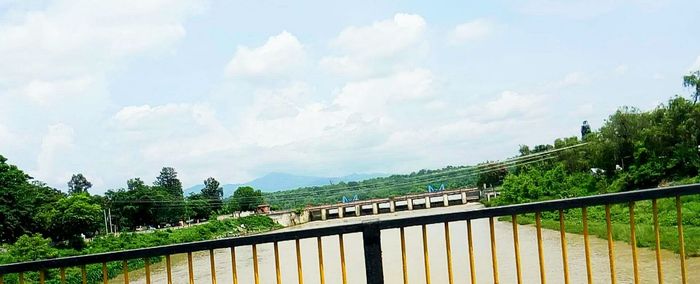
{"points": [[104, 212], [111, 229]]}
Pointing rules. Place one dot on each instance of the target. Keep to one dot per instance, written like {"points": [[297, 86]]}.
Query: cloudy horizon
{"points": [[236, 90]]}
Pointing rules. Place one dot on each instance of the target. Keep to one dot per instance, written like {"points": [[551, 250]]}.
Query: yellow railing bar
{"points": [[125, 267], [564, 258], [42, 276], [233, 265], [256, 272], [300, 273], [426, 259], [148, 270], [611, 245], [403, 256], [2, 279], [278, 272], [681, 241], [212, 266], [343, 272], [169, 269], [190, 267], [470, 242], [449, 253], [63, 275], [633, 243], [322, 277], [655, 213], [516, 248], [586, 245], [540, 250], [21, 278], [83, 273], [494, 260], [105, 275]]}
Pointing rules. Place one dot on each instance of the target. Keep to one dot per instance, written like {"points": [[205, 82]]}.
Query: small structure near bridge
{"points": [[263, 209]]}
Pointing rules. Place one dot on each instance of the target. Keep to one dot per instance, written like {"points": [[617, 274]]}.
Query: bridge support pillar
{"points": [[375, 208], [392, 206], [341, 212], [427, 202], [324, 214], [445, 200], [358, 210], [409, 204], [464, 198]]}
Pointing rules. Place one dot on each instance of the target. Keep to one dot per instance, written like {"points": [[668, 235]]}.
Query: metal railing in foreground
{"points": [[371, 236]]}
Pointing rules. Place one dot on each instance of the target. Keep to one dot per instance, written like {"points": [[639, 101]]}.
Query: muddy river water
{"points": [[391, 250]]}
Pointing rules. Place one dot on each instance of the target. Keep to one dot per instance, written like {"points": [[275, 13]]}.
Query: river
{"points": [[391, 251]]}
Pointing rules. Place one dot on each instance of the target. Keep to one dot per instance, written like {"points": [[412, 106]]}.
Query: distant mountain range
{"points": [[283, 181]]}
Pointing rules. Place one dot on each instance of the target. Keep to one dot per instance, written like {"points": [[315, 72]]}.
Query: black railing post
{"points": [[373, 253]]}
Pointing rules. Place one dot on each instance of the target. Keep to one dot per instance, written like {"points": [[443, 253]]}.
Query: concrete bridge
{"points": [[393, 204]]}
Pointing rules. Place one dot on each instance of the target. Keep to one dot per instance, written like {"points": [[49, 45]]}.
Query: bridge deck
{"points": [[472, 194]]}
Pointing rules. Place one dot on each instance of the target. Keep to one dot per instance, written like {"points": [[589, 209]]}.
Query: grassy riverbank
{"points": [[644, 226], [126, 241]]}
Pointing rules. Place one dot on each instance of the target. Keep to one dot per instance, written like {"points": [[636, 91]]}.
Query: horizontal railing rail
{"points": [[371, 232]]}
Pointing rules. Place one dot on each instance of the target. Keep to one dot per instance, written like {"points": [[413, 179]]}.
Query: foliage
{"points": [[198, 206], [20, 197], [245, 198], [169, 181], [692, 80], [35, 247], [31, 247], [213, 192], [78, 184], [77, 212]]}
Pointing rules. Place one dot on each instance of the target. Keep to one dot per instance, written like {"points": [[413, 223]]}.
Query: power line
{"points": [[495, 166]]}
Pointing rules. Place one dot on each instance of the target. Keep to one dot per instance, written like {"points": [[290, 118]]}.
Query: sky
{"points": [[117, 89]]}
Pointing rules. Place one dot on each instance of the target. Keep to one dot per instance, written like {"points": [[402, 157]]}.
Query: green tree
{"points": [[245, 198], [692, 80], [198, 206], [78, 184], [15, 210], [172, 209], [213, 193], [169, 181], [72, 216], [32, 247], [135, 184]]}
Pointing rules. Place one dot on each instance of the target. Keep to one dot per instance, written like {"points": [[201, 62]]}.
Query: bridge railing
{"points": [[371, 236]]}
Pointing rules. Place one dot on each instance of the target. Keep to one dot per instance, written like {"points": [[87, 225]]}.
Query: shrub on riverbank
{"points": [[125, 241]]}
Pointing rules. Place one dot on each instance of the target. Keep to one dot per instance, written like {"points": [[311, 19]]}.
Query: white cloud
{"points": [[384, 46], [382, 38], [56, 145], [7, 138], [696, 65], [279, 55], [570, 9], [57, 58], [571, 79], [374, 95], [471, 31], [621, 69], [79, 38], [509, 105]]}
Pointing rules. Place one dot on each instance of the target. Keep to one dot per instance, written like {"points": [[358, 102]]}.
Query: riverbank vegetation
{"points": [[35, 247], [632, 150]]}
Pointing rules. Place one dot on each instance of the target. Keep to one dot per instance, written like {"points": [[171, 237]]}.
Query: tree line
{"points": [[29, 206]]}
